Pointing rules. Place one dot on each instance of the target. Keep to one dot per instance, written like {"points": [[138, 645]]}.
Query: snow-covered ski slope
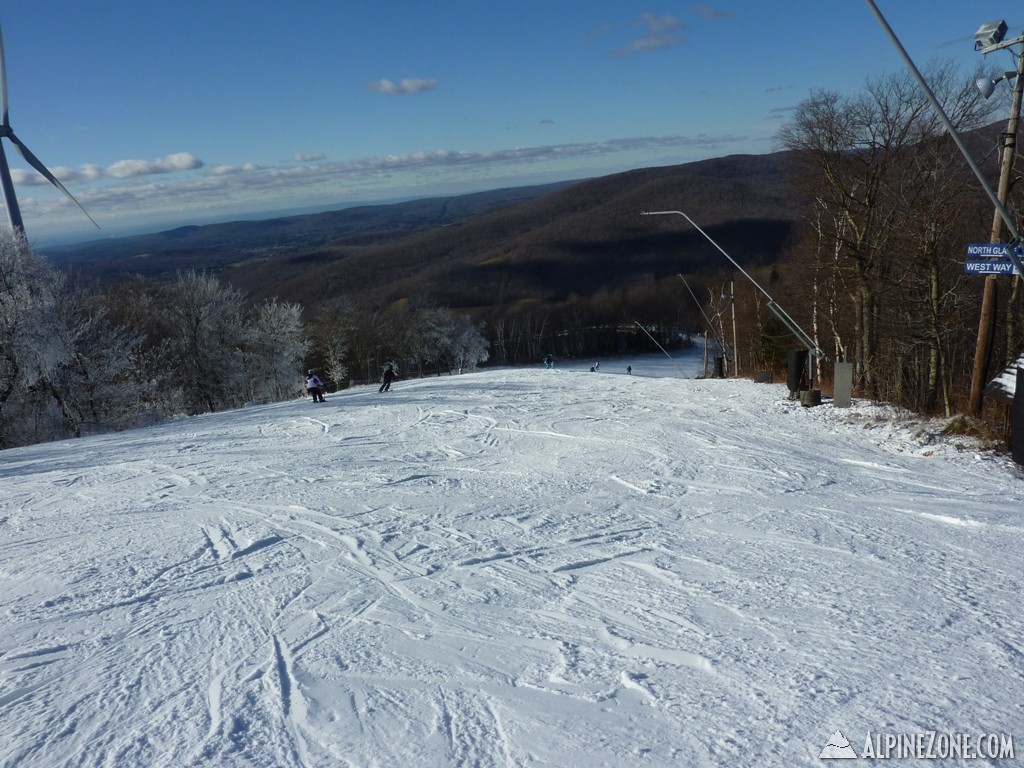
{"points": [[507, 568]]}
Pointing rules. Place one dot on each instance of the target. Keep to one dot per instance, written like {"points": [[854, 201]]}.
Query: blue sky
{"points": [[161, 113]]}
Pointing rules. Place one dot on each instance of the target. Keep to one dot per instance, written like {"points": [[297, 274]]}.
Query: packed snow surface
{"points": [[508, 568]]}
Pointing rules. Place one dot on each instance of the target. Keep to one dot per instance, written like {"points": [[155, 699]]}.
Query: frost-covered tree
{"points": [[204, 324], [428, 336], [30, 342], [275, 350], [65, 367], [136, 304], [452, 341], [96, 384], [468, 345]]}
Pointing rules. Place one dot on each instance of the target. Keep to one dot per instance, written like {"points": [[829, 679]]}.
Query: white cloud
{"points": [[34, 179], [122, 169], [310, 157], [181, 161], [404, 86], [662, 32], [224, 180], [252, 187], [709, 12], [231, 170], [89, 172]]}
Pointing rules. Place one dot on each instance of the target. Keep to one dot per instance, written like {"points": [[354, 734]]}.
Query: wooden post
{"points": [[983, 346]]}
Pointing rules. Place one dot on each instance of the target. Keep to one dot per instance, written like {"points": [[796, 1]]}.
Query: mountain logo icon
{"points": [[838, 748]]}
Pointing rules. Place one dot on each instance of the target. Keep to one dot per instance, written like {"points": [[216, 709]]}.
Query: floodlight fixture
{"points": [[989, 34], [987, 85]]}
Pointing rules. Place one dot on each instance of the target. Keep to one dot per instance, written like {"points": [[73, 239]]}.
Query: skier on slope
{"points": [[389, 376], [315, 387]]}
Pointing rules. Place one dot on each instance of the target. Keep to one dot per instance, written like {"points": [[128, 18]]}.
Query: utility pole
{"points": [[990, 295], [735, 346]]}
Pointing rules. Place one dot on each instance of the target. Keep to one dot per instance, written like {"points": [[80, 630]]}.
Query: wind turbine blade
{"points": [[3, 81], [37, 164]]}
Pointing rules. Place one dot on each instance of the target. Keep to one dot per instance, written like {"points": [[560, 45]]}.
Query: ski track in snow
{"points": [[545, 568]]}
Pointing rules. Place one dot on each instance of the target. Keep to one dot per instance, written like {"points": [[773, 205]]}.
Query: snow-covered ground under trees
{"points": [[508, 568]]}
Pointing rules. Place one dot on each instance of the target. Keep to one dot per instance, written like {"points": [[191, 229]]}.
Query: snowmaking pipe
{"points": [[778, 311]]}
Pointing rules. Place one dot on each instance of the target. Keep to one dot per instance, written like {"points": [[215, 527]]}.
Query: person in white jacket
{"points": [[315, 387]]}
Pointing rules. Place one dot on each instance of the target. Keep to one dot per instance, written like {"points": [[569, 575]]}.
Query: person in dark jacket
{"points": [[389, 376]]}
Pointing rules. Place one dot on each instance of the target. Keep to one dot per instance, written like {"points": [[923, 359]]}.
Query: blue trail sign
{"points": [[989, 259]]}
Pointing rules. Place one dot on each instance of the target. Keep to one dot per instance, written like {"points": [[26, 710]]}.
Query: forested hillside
{"points": [[214, 247], [482, 250], [587, 238]]}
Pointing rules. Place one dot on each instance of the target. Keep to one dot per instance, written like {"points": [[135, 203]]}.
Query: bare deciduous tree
{"points": [[874, 162]]}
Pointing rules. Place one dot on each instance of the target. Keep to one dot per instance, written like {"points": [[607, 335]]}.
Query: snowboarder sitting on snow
{"points": [[389, 376], [315, 387]]}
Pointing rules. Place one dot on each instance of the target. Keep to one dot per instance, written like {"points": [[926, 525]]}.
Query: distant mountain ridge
{"points": [[585, 238], [215, 246], [540, 243]]}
